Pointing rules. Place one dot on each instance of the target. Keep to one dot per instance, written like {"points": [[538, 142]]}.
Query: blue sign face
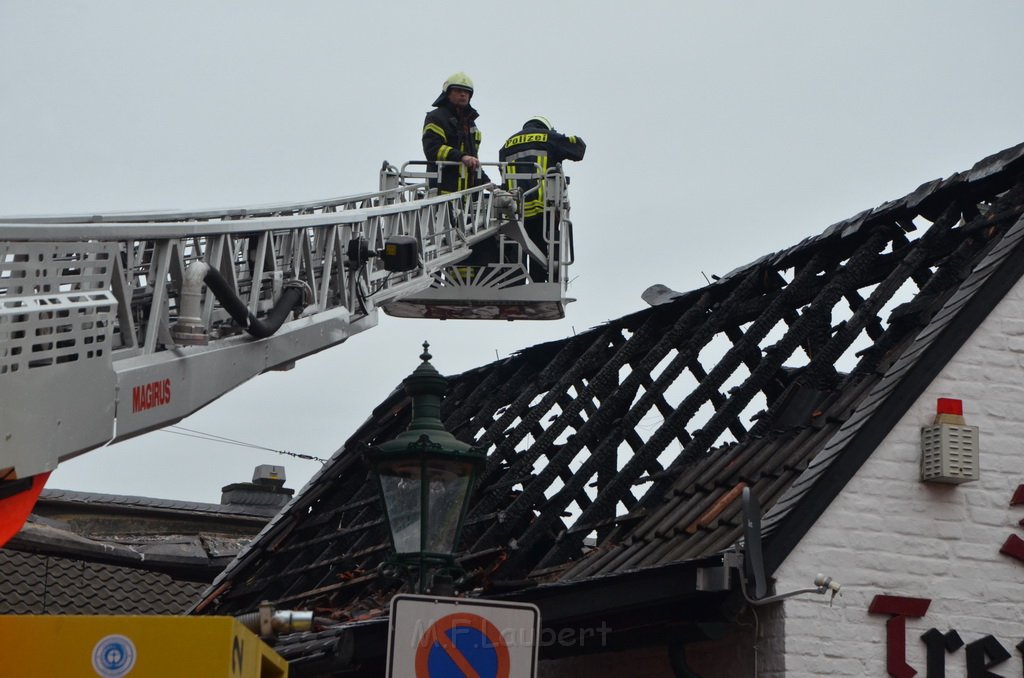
{"points": [[113, 656], [462, 645], [461, 648]]}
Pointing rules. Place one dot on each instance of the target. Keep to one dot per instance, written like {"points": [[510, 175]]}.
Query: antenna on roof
{"points": [[753, 561]]}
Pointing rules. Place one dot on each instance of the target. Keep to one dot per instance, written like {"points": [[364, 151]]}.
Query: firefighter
{"points": [[538, 147], [450, 134]]}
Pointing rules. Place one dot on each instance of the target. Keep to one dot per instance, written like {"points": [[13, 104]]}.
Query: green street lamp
{"points": [[425, 477]]}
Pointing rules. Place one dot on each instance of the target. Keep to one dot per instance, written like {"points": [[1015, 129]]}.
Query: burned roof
{"points": [[623, 451]]}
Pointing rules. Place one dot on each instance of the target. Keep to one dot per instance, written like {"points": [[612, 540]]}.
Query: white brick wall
{"points": [[888, 533]]}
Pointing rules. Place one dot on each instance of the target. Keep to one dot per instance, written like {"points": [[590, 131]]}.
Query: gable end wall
{"points": [[887, 533]]}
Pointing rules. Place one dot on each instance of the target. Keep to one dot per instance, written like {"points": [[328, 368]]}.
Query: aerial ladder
{"points": [[113, 325]]}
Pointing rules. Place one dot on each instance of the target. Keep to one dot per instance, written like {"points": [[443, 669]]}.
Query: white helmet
{"points": [[538, 120], [459, 80]]}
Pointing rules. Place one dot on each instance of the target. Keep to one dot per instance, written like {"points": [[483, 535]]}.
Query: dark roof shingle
{"points": [[39, 584]]}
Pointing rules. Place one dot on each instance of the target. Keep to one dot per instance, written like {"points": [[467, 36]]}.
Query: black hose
{"points": [[290, 298]]}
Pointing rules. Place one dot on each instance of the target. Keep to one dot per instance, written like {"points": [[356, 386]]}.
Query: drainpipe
{"points": [[679, 638], [268, 622], [677, 660]]}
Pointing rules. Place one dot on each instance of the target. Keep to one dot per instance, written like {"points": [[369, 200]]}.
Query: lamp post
{"points": [[425, 476]]}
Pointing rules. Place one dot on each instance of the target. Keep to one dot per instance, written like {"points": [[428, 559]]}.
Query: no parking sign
{"points": [[436, 637]]}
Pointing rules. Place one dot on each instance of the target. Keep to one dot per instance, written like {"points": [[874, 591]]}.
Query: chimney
{"points": [[266, 489]]}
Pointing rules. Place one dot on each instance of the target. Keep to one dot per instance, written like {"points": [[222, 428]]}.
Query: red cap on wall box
{"points": [[949, 406]]}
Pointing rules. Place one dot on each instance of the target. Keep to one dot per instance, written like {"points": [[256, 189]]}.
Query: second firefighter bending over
{"points": [[537, 148], [450, 134]]}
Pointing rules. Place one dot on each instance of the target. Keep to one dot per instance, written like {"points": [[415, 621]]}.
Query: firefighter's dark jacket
{"points": [[445, 139], [536, 148]]}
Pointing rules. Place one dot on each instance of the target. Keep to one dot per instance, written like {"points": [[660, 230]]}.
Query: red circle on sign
{"points": [[437, 634]]}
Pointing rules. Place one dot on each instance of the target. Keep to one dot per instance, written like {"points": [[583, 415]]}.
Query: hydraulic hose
{"points": [[290, 298], [189, 329]]}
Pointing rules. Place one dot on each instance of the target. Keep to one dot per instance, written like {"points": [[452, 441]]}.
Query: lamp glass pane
{"points": [[400, 485], [448, 484]]}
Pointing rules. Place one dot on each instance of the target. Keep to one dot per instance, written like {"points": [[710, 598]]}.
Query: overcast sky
{"points": [[717, 132]]}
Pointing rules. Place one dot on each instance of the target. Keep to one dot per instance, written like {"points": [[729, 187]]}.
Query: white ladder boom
{"points": [[94, 347]]}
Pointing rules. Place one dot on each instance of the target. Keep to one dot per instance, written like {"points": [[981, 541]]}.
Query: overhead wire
{"points": [[211, 437]]}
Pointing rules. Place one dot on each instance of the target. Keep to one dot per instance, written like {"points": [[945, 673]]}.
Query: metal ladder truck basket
{"points": [[498, 284]]}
